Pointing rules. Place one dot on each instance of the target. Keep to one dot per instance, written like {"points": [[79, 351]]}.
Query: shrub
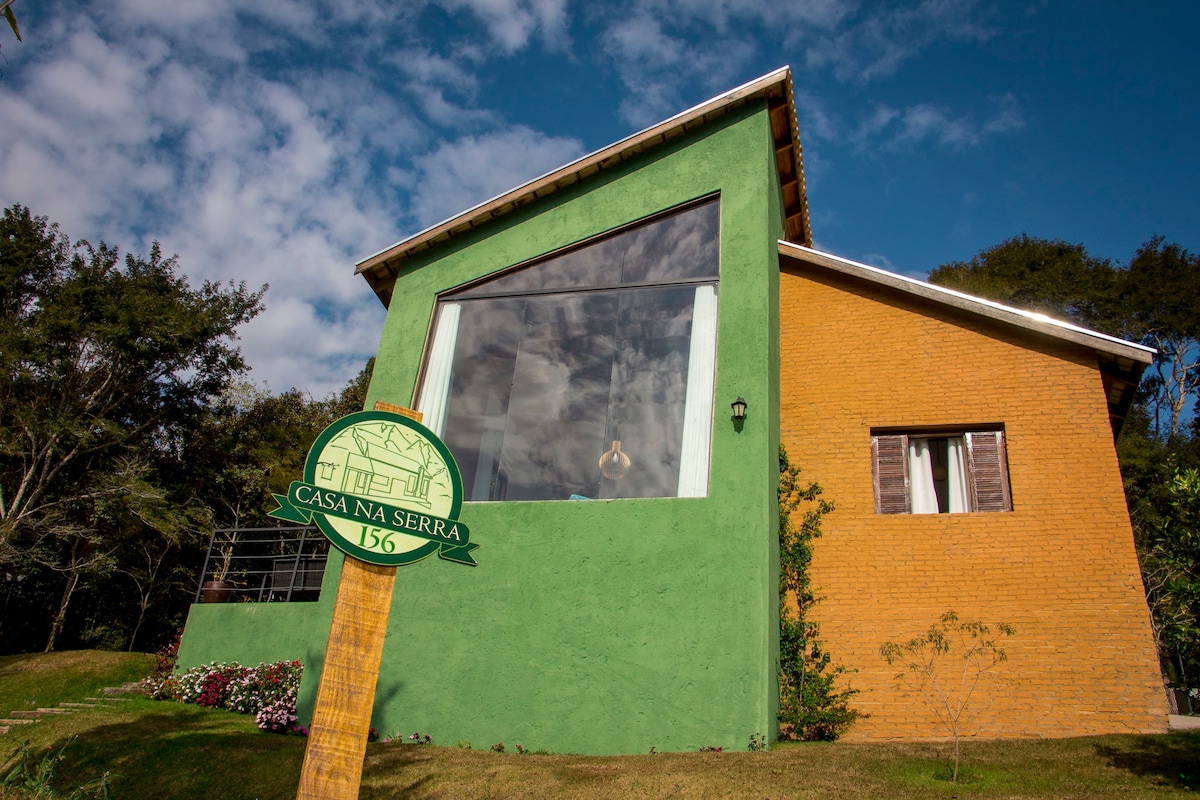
{"points": [[811, 705]]}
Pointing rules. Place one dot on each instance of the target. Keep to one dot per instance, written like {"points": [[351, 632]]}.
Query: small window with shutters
{"points": [[940, 472]]}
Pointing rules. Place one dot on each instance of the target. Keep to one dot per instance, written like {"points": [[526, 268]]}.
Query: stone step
{"points": [[1179, 722], [77, 705], [11, 722]]}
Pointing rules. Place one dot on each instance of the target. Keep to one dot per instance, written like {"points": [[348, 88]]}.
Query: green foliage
{"points": [[811, 707], [1050, 276], [1166, 519], [250, 443], [1156, 304], [126, 435], [354, 397], [922, 659], [24, 770], [105, 361]]}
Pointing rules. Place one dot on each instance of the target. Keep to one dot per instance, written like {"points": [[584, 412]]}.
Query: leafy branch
{"points": [[810, 706]]}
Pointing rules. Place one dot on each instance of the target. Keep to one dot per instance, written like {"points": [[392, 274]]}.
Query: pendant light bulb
{"points": [[614, 464]]}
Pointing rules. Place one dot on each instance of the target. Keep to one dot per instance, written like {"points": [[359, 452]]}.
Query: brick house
{"points": [[578, 341], [1046, 547]]}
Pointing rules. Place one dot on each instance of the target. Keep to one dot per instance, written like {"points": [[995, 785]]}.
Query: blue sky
{"points": [[280, 141]]}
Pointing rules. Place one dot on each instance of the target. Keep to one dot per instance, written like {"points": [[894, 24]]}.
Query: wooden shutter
{"points": [[989, 471], [889, 470]]}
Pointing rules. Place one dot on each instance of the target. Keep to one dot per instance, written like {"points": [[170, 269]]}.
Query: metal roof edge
{"points": [[1029, 320]]}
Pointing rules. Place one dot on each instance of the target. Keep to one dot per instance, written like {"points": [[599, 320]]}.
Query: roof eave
{"points": [[381, 269], [1028, 320]]}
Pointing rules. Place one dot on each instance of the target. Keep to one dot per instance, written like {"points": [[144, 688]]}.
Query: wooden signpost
{"points": [[337, 740], [386, 491]]}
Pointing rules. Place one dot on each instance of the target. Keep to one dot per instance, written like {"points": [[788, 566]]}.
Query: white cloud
{"points": [[513, 23], [662, 48], [308, 350], [929, 123], [244, 176], [463, 173], [878, 260], [874, 44], [814, 116], [889, 128], [883, 262], [281, 140], [655, 65], [724, 16]]}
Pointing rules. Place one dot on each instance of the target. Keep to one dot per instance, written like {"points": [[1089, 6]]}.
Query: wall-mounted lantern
{"points": [[739, 409]]}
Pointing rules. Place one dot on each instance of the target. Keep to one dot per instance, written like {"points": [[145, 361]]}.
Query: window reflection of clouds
{"points": [[682, 246], [648, 389], [541, 386]]}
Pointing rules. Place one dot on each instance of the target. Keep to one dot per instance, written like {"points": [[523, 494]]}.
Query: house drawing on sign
{"points": [[579, 342], [377, 468]]}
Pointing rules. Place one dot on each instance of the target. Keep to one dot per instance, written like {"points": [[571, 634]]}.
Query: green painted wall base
{"points": [[253, 633]]}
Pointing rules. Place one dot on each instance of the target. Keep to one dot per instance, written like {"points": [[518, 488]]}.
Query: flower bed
{"points": [[267, 691]]}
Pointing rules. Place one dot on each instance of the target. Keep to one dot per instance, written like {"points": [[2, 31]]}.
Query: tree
{"points": [[247, 445], [354, 396], [1046, 275], [1166, 519], [104, 365], [922, 658], [1152, 300], [1157, 302]]}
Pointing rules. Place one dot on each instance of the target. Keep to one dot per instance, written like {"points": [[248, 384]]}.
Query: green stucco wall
{"points": [[254, 633], [609, 626]]}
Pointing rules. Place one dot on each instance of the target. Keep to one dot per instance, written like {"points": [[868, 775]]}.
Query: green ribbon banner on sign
{"points": [[304, 499]]}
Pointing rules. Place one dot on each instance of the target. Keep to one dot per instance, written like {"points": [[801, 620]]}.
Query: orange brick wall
{"points": [[1060, 567]]}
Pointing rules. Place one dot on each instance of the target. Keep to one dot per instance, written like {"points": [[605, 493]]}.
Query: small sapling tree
{"points": [[946, 666]]}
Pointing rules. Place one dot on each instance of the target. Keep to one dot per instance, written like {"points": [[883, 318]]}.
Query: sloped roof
{"points": [[381, 269], [1120, 362]]}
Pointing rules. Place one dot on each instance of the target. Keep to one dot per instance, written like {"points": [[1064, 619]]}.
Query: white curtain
{"points": [[435, 391], [956, 469], [922, 496], [490, 444], [698, 403]]}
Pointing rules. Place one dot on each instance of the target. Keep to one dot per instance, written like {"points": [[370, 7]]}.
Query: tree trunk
{"points": [[137, 625], [57, 624]]}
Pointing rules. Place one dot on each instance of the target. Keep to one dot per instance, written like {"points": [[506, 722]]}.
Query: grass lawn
{"points": [[164, 750]]}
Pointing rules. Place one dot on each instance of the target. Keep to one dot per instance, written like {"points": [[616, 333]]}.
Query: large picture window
{"points": [[586, 375]]}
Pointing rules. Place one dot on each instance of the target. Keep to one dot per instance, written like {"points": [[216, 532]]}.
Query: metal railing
{"points": [[263, 565]]}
